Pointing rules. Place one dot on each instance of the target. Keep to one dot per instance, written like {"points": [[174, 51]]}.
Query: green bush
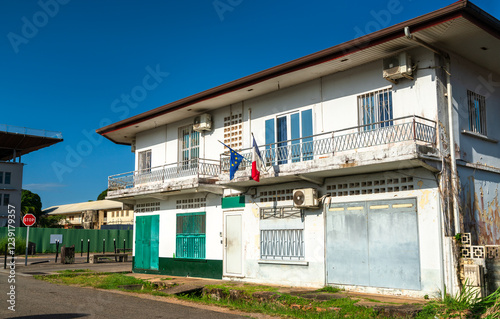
{"points": [[20, 246]]}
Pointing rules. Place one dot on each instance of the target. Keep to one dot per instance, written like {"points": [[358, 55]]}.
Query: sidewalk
{"points": [[391, 306], [44, 264], [384, 304]]}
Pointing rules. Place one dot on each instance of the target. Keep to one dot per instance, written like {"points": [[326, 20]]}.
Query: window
{"points": [[477, 112], [145, 162], [293, 135], [375, 109], [281, 234], [126, 213], [190, 237], [122, 213], [113, 214], [1, 177], [189, 146], [7, 178], [6, 198]]}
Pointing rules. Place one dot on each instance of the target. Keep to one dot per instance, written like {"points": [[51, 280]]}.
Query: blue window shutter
{"points": [[295, 131], [282, 149], [270, 131], [307, 132], [269, 157]]}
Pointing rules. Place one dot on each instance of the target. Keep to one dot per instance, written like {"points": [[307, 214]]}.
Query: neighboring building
{"points": [[94, 215], [15, 142], [359, 153]]}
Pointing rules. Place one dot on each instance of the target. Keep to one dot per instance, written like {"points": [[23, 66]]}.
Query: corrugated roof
{"points": [[80, 207]]}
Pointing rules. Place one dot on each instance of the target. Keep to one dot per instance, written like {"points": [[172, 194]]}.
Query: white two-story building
{"points": [[367, 179]]}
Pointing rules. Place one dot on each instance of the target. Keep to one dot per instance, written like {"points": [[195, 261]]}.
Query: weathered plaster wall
{"points": [[479, 205]]}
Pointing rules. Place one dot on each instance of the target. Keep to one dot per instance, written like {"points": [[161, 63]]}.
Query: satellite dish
{"points": [[298, 198]]}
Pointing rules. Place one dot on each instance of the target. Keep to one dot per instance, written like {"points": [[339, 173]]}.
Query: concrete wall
{"points": [[14, 190], [479, 205], [332, 98], [468, 76], [168, 213], [313, 274]]}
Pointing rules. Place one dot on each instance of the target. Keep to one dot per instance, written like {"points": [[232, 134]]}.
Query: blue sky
{"points": [[65, 63]]}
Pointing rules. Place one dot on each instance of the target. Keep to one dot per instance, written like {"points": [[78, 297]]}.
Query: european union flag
{"points": [[234, 163]]}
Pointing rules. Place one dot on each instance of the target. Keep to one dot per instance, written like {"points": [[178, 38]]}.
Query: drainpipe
{"points": [[451, 131], [451, 135]]}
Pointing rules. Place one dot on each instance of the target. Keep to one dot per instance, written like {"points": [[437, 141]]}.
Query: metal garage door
{"points": [[374, 244]]}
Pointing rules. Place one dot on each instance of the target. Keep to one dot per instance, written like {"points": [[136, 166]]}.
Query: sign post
{"points": [[28, 220]]}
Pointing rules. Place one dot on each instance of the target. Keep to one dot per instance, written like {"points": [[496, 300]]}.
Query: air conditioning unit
{"points": [[397, 67], [202, 123], [305, 197]]}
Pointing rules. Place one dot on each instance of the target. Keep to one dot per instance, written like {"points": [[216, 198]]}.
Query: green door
{"points": [[146, 242]]}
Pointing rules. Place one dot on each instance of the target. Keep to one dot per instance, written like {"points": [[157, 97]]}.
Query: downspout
{"points": [[451, 131], [451, 135]]}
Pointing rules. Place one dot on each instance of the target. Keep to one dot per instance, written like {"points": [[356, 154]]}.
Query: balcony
{"points": [[386, 145], [188, 176]]}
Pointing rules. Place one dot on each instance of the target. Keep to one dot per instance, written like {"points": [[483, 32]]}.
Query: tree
{"points": [[102, 195], [31, 203]]}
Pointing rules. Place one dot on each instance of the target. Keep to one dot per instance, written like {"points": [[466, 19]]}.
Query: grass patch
{"points": [[167, 278], [246, 289], [72, 271], [96, 280], [329, 289]]}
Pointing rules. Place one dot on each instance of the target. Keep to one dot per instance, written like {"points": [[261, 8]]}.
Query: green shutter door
{"points": [[155, 231], [146, 242]]}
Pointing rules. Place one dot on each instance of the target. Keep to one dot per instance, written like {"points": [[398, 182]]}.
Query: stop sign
{"points": [[29, 220]]}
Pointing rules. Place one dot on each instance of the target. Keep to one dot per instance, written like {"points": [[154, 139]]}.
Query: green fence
{"points": [[41, 237]]}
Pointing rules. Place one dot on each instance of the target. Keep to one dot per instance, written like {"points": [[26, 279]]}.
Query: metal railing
{"points": [[279, 244], [29, 131], [407, 128], [160, 174]]}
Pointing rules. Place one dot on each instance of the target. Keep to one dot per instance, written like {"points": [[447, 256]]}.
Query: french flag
{"points": [[257, 162]]}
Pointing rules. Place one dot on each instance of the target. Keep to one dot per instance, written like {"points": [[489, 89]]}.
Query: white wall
{"points": [[467, 75], [168, 213], [333, 100]]}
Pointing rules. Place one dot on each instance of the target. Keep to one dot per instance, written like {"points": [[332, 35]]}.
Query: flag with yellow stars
{"points": [[234, 162]]}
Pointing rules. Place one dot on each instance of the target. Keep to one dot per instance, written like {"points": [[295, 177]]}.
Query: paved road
{"points": [[41, 300]]}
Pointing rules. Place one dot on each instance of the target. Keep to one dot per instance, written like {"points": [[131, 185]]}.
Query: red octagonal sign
{"points": [[29, 220]]}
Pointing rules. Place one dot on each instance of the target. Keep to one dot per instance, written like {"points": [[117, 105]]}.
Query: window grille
{"points": [[477, 112], [375, 107], [282, 244], [190, 237]]}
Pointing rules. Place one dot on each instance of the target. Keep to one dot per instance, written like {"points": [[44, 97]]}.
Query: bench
{"points": [[94, 259], [121, 250]]}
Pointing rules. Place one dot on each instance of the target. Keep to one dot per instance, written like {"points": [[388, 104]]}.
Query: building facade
{"points": [[99, 214], [16, 142], [369, 171]]}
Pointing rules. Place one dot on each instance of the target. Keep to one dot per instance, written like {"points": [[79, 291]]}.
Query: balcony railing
{"points": [[161, 174], [410, 128]]}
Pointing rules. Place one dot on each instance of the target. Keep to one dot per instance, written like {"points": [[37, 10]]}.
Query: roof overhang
{"points": [[445, 29], [22, 144]]}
